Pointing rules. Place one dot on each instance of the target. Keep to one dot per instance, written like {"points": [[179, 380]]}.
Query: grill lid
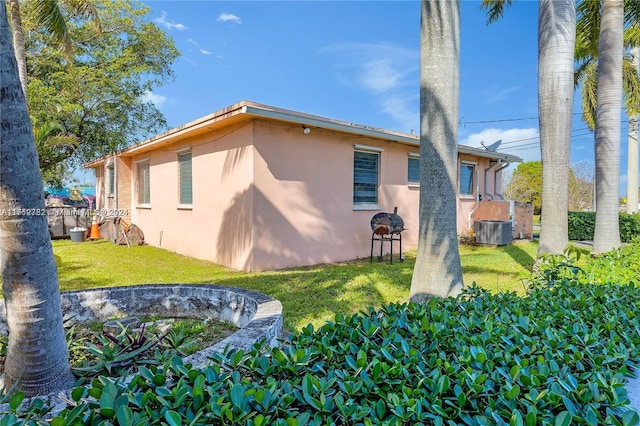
{"points": [[387, 223]]}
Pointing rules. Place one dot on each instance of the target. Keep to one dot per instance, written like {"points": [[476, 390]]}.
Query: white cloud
{"points": [[229, 17], [157, 100], [380, 75], [388, 72], [200, 49], [494, 95], [402, 110], [525, 143], [169, 25]]}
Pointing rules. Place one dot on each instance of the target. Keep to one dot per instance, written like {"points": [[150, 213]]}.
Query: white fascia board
{"points": [[311, 121]]}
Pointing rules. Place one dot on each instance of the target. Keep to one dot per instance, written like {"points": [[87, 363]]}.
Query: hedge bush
{"points": [[582, 226], [558, 356]]}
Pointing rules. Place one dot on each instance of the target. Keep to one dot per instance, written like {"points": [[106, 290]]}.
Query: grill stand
{"points": [[386, 238]]}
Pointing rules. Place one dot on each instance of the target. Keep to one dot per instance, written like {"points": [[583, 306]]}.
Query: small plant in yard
{"points": [[118, 354], [93, 352]]}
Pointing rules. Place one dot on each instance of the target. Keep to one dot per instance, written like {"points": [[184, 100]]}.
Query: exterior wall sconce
{"points": [[306, 130]]}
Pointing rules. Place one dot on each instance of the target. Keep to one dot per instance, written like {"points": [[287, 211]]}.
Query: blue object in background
{"points": [[66, 191]]}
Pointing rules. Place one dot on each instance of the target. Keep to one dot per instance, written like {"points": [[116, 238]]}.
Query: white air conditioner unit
{"points": [[492, 232]]}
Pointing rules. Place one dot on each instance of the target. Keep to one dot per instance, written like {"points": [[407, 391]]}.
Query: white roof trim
{"points": [[252, 109]]}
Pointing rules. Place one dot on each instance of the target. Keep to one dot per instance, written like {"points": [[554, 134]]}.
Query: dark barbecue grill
{"points": [[387, 227]]}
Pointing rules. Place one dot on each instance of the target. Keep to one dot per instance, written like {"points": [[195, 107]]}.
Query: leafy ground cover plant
{"points": [[558, 356]]}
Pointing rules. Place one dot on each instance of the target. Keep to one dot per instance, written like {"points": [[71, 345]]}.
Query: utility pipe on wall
{"points": [[495, 178], [487, 193]]}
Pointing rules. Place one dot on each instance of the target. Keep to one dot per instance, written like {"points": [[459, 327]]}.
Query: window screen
{"points": [[365, 177], [144, 188], [186, 193]]}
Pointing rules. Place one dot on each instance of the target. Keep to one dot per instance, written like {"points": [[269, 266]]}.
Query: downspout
{"points": [[495, 178], [486, 181]]}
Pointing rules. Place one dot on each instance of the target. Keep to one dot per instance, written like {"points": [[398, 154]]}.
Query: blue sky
{"points": [[356, 61]]}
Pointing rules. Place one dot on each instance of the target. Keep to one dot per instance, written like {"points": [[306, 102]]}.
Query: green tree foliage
{"points": [[100, 99], [581, 187], [525, 184]]}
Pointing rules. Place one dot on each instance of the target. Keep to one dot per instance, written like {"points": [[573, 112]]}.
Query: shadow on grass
{"points": [[316, 294], [520, 256], [308, 294], [79, 280]]}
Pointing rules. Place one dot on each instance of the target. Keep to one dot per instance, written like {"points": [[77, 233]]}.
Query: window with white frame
{"points": [[467, 178], [143, 184], [413, 168], [185, 178], [366, 166]]}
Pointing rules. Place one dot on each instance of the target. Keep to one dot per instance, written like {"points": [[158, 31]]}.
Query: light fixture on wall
{"points": [[306, 130]]}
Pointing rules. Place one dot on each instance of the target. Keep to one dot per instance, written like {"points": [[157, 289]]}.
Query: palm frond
{"points": [[87, 9], [632, 36], [494, 9], [631, 85], [588, 17], [589, 95], [581, 70], [49, 14], [631, 12]]}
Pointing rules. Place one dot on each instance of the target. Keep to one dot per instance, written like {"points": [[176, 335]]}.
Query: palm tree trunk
{"points": [[18, 43], [556, 41], [632, 151], [437, 271], [37, 353], [607, 137]]}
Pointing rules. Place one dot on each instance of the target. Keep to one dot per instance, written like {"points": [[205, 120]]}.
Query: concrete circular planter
{"points": [[256, 315]]}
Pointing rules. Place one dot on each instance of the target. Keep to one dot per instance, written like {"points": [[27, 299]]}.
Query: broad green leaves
{"points": [[558, 356]]}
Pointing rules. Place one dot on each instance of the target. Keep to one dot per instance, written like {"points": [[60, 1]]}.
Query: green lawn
{"points": [[308, 294]]}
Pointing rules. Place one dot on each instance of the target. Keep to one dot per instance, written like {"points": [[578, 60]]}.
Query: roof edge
{"points": [[256, 110]]}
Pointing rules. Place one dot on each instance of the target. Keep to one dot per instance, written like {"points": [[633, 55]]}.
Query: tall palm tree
{"points": [[37, 358], [588, 27], [586, 75], [556, 41], [50, 15], [632, 149], [607, 137], [437, 271], [18, 43]]}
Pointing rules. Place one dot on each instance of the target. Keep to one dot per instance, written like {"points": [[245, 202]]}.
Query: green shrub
{"points": [[582, 226], [557, 356], [621, 265]]}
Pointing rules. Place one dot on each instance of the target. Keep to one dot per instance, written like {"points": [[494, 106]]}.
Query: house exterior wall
{"points": [[486, 202], [304, 211], [124, 188], [218, 225], [268, 196]]}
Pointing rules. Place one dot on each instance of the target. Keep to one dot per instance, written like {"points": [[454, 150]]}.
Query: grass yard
{"points": [[308, 294]]}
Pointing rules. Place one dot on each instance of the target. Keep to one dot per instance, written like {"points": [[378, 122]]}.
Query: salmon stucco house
{"points": [[254, 187]]}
